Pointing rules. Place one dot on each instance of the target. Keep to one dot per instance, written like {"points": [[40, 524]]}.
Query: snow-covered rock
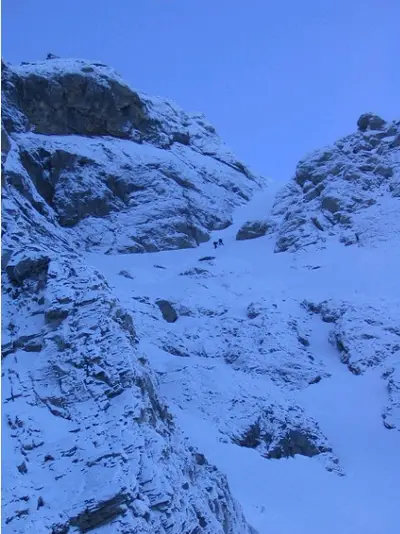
{"points": [[253, 229], [126, 172], [290, 358], [365, 335], [86, 434], [349, 190], [5, 145]]}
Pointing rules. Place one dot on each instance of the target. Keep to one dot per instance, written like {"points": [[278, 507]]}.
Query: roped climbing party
{"points": [[218, 243]]}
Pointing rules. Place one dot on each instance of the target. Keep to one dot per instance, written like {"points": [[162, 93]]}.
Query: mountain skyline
{"points": [[277, 80]]}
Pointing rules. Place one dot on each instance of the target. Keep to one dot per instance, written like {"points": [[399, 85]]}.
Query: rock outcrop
{"points": [[252, 230], [370, 121], [391, 413], [276, 439], [367, 337], [84, 418], [364, 335], [246, 367], [348, 191]]}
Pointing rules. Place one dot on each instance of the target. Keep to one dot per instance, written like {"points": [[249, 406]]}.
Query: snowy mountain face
{"points": [[196, 390], [121, 171]]}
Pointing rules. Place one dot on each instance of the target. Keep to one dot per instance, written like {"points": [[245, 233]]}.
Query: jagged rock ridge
{"points": [[348, 190]]}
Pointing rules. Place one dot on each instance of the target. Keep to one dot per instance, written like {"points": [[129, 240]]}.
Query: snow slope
{"points": [[215, 398]]}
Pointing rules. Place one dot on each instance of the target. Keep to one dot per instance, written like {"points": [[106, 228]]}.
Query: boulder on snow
{"points": [[252, 230], [370, 121], [254, 310], [207, 258], [182, 138], [195, 271], [297, 442], [126, 274], [26, 265], [167, 310], [286, 440]]}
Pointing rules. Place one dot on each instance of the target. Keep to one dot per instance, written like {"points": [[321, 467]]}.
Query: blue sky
{"points": [[277, 79]]}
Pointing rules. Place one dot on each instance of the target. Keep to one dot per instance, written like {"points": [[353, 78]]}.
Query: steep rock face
{"points": [[349, 190], [89, 443], [87, 435], [84, 99], [126, 172]]}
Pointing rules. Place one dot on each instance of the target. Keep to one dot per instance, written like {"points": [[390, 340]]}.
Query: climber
{"points": [[215, 243], [220, 242]]}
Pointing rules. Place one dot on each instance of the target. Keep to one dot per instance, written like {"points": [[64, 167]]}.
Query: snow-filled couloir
{"points": [[153, 382]]}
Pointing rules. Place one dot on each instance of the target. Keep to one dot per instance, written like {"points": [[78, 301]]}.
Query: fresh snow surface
{"points": [[287, 495]]}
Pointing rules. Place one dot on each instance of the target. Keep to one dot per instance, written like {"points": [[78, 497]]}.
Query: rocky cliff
{"points": [[118, 170], [90, 164], [349, 190]]}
